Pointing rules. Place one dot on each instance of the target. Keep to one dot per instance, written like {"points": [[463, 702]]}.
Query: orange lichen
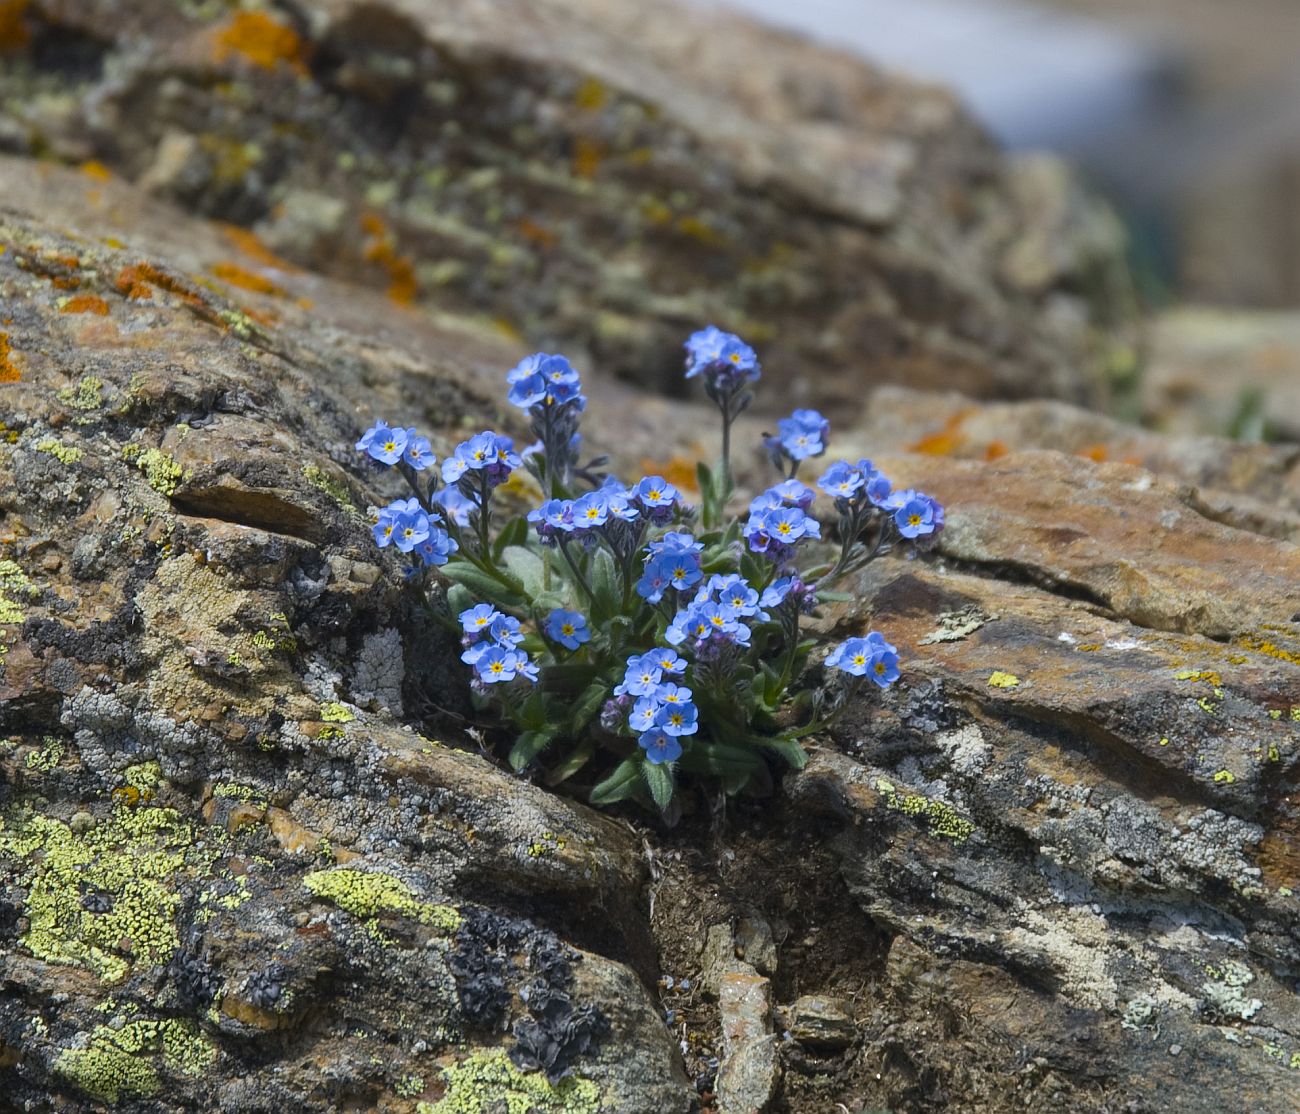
{"points": [[587, 157], [93, 168], [536, 233], [995, 449], [263, 41], [680, 471], [402, 284], [1098, 453], [14, 33], [136, 281], [9, 372], [945, 441], [85, 303], [245, 279], [248, 243]]}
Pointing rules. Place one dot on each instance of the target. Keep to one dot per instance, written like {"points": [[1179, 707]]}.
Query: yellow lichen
{"points": [[944, 821], [489, 1081], [14, 584], [335, 713], [88, 394], [64, 454], [1000, 680], [370, 894]]}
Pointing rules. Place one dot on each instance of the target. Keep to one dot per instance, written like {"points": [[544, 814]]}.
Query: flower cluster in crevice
{"points": [[629, 636]]}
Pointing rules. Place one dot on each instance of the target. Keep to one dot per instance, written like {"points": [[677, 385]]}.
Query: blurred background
{"points": [[1186, 115]]}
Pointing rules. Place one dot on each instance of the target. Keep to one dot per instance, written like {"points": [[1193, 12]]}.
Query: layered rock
{"points": [[583, 177]]}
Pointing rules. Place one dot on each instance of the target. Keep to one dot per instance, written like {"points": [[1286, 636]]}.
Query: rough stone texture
{"points": [[1213, 369], [821, 1022], [750, 1069], [252, 860], [580, 176]]}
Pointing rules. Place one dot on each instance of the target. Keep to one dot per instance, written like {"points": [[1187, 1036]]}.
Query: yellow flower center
{"points": [[496, 667], [567, 628], [859, 659], [914, 520], [390, 446], [880, 667], [735, 357]]}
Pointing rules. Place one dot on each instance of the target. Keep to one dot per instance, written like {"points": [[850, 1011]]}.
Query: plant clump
{"points": [[619, 627]]}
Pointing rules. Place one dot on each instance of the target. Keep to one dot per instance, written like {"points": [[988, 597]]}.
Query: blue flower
{"points": [[800, 436], [618, 501], [688, 624], [841, 480], [528, 392], [725, 361], [675, 542], [504, 631], [678, 719], [733, 592], [659, 746], [568, 628], [878, 488], [384, 443], [644, 713], [478, 619], [667, 661], [487, 453], [657, 498], [670, 693], [915, 515], [774, 594], [419, 453], [642, 676], [498, 663], [591, 510], [456, 507], [437, 548], [410, 529], [789, 525], [654, 581], [552, 518], [870, 657]]}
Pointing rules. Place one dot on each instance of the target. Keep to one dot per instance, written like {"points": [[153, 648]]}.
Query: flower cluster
{"points": [[491, 642], [622, 630], [550, 390], [867, 657]]}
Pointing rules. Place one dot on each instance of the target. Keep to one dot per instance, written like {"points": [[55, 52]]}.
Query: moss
{"points": [[64, 454], [88, 394], [332, 487], [335, 713], [137, 858], [944, 821], [1000, 680], [124, 1061], [488, 1081], [370, 894]]}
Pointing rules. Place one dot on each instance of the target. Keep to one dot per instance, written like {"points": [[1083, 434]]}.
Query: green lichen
{"points": [[547, 844], [13, 586], [488, 1081], [409, 1086], [47, 757], [125, 1060], [64, 454], [246, 793], [1225, 777], [331, 485], [88, 394], [143, 775], [336, 713], [944, 821], [137, 858], [160, 470], [370, 894]]}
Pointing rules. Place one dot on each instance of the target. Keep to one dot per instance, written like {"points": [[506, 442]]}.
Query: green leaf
{"points": [[659, 777], [572, 763], [587, 705], [533, 714], [837, 597], [789, 749], [459, 598], [514, 533], [526, 566], [482, 585], [528, 746], [620, 785], [605, 585]]}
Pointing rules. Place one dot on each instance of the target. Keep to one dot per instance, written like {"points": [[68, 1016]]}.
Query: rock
{"points": [[821, 1022], [755, 945], [628, 180], [748, 1075], [1222, 371]]}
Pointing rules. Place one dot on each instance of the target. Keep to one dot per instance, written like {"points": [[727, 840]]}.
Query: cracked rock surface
{"points": [[253, 855]]}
